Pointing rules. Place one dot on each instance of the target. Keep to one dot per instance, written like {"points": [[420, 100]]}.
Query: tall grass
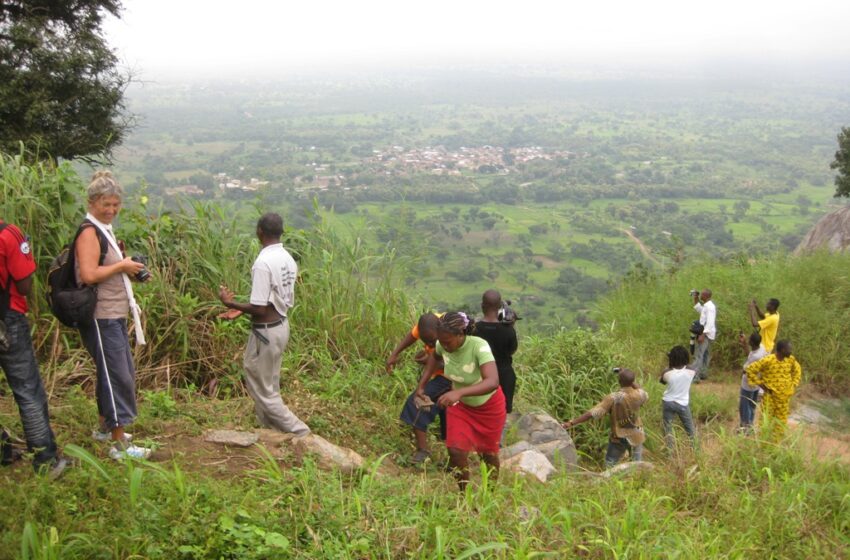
{"points": [[648, 315], [565, 374], [347, 302]]}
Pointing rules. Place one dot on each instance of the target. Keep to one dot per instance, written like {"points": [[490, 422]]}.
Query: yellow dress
{"points": [[779, 379]]}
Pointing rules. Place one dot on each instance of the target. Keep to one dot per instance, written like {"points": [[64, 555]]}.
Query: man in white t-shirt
{"points": [[707, 318], [676, 399], [272, 295]]}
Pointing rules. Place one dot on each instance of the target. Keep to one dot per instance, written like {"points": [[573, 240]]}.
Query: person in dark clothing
{"points": [[501, 336]]}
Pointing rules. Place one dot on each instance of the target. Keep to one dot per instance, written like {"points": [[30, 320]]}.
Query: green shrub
{"points": [[565, 374]]}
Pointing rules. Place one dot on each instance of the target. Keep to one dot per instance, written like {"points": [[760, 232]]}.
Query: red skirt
{"points": [[478, 429]]}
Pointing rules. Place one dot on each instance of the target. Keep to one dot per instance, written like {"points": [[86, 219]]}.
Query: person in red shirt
{"points": [[17, 357]]}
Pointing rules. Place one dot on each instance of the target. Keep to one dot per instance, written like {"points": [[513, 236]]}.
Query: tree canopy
{"points": [[842, 163], [61, 91]]}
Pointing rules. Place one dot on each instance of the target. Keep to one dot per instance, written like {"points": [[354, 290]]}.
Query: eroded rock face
{"points": [[831, 232], [530, 462]]}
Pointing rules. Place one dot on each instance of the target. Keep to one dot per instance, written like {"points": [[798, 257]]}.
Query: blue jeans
{"points": [[420, 419], [23, 376], [669, 412], [617, 448], [747, 407]]}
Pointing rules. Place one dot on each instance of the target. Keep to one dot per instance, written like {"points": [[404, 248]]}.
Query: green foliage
{"points": [[841, 164], [191, 251], [60, 89], [650, 314], [565, 374]]}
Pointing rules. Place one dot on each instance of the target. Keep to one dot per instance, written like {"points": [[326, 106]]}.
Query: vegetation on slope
{"points": [[745, 498]]}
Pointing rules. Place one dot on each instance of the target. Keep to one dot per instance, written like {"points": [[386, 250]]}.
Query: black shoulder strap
{"points": [[104, 243]]}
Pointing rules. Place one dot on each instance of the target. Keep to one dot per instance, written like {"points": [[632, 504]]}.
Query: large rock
{"points": [[506, 453], [546, 435], [328, 455], [531, 462], [231, 437], [561, 453], [539, 427], [831, 232]]}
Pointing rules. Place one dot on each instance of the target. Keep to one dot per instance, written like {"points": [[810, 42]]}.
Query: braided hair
{"points": [[456, 322]]}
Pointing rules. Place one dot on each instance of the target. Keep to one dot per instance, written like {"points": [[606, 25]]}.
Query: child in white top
{"points": [[676, 399]]}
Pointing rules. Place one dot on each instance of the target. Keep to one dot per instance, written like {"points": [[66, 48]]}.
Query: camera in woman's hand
{"points": [[144, 274]]}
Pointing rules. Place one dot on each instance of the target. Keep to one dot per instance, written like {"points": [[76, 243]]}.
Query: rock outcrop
{"points": [[544, 447], [831, 232], [328, 456]]}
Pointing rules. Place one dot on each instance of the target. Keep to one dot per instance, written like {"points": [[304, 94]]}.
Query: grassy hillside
{"points": [[651, 312], [743, 499]]}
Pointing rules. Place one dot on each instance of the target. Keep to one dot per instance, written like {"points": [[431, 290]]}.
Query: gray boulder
{"points": [[546, 435]]}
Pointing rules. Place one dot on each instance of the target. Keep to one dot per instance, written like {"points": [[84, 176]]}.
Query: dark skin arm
{"points": [[742, 340], [661, 379], [489, 382], [755, 314], [427, 372], [258, 313], [403, 345], [580, 420]]}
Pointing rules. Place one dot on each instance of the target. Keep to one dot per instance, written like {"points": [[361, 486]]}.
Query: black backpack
{"points": [[72, 303]]}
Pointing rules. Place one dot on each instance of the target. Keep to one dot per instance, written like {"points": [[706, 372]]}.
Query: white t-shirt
{"points": [[707, 316], [273, 278], [753, 356], [678, 385]]}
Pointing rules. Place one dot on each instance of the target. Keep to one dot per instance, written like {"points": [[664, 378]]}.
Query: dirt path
{"points": [[815, 431], [643, 248]]}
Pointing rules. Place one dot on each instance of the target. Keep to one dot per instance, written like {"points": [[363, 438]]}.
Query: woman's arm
{"points": [[489, 382], [427, 372], [87, 252]]}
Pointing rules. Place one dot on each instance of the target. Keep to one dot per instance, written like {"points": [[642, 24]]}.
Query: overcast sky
{"points": [[184, 38]]}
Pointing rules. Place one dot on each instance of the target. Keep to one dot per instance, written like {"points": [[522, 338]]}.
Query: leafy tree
{"points": [[60, 88], [842, 164]]}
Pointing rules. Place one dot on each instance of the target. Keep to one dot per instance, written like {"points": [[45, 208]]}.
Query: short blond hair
{"points": [[104, 183]]}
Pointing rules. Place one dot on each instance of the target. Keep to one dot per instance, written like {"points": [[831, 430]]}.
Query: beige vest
{"points": [[112, 300]]}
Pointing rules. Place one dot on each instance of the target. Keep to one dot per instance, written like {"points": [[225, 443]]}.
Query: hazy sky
{"points": [[182, 38]]}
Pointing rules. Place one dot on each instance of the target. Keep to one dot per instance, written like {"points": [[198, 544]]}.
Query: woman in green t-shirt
{"points": [[475, 407]]}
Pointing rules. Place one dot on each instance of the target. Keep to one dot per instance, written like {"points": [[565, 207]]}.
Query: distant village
{"points": [[398, 161], [437, 160], [440, 161]]}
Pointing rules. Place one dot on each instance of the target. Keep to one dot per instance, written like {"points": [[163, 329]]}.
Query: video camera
{"points": [[507, 315]]}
